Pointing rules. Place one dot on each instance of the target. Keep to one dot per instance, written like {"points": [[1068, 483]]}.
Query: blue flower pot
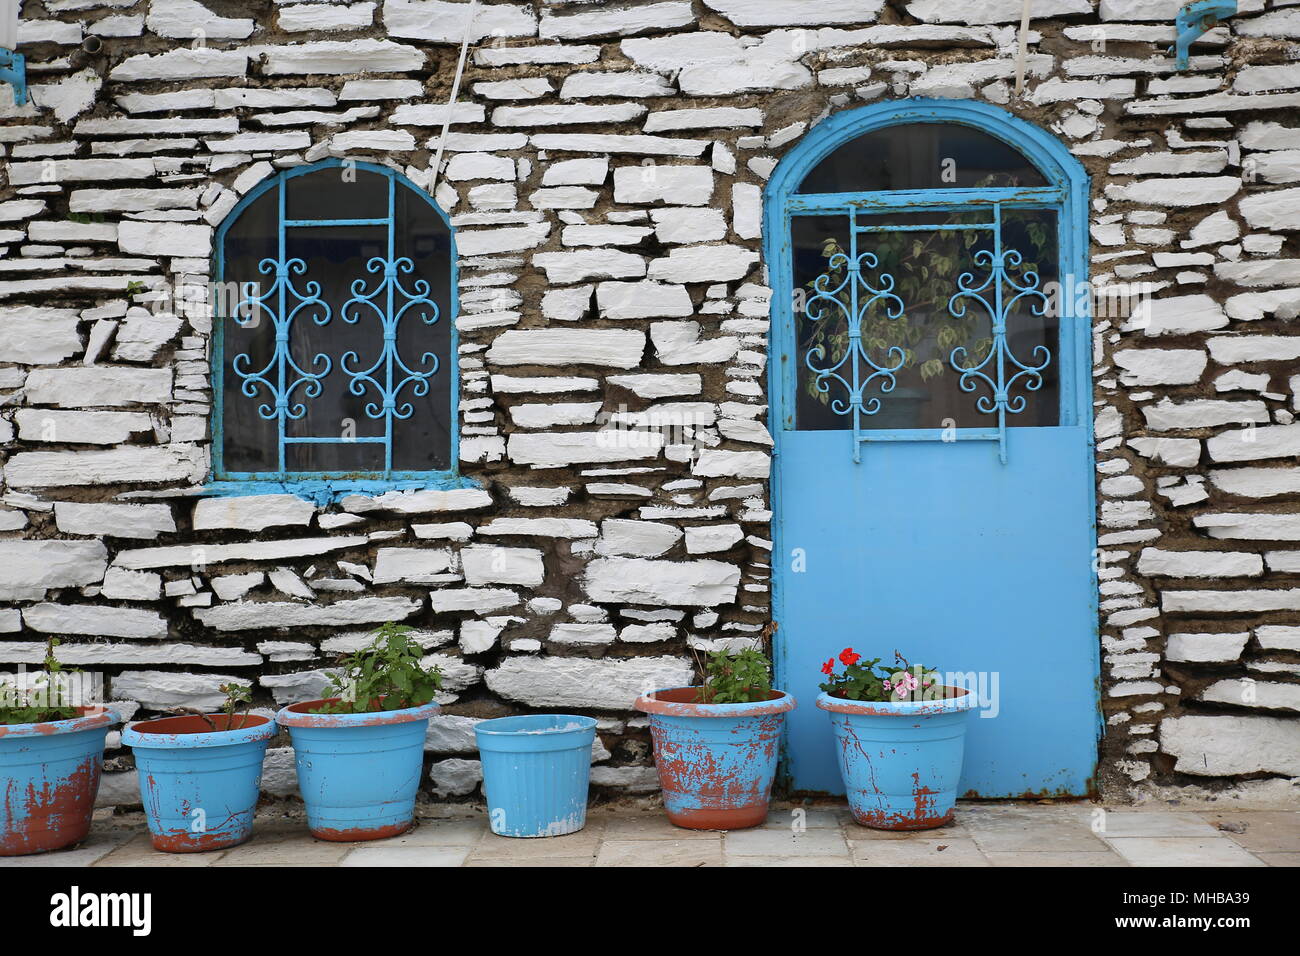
{"points": [[900, 761], [49, 776], [716, 762], [199, 786], [536, 770], [358, 773]]}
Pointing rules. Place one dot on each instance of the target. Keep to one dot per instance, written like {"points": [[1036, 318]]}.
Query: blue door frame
{"points": [[1059, 756]]}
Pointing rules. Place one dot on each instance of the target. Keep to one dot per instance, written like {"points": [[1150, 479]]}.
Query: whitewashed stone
{"points": [[229, 587], [1256, 482], [615, 22], [991, 11], [98, 620], [706, 539], [161, 690], [444, 22], [1254, 444], [1225, 745], [491, 564], [252, 512], [1259, 527], [32, 567], [1177, 192], [678, 224], [571, 682], [113, 520], [413, 565], [255, 615], [646, 539], [123, 585], [124, 464], [31, 335], [658, 385], [541, 527], [641, 581], [642, 300], [1206, 648], [561, 449], [455, 777], [679, 185], [182, 64], [613, 348], [714, 463], [420, 501], [188, 19], [582, 635], [1199, 564], [335, 57], [1179, 315], [1167, 415], [1253, 693], [1149, 366], [1235, 350], [720, 263]]}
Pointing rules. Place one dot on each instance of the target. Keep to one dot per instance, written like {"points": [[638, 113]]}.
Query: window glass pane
{"points": [[926, 266], [921, 156], [337, 192]]}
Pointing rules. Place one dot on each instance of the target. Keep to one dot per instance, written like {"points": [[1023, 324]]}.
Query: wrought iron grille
{"points": [[386, 377], [1001, 378]]}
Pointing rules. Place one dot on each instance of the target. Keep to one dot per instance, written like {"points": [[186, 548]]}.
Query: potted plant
{"points": [[360, 752], [51, 757], [200, 774], [716, 744], [899, 738]]}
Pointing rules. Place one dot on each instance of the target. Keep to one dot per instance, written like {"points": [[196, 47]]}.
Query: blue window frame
{"points": [[334, 341], [861, 176]]}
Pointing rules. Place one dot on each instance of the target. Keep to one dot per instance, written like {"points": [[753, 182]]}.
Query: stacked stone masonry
{"points": [[604, 174]]}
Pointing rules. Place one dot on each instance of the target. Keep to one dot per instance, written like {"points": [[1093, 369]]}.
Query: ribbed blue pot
{"points": [[536, 770], [199, 786], [358, 773], [49, 776], [900, 761]]}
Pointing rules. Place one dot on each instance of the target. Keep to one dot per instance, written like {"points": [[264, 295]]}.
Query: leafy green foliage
{"points": [[238, 698], [387, 675], [867, 681], [43, 699], [739, 678]]}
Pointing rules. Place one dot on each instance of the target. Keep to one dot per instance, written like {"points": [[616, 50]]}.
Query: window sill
{"points": [[325, 491]]}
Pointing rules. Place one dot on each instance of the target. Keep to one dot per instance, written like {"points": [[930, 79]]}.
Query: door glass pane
{"points": [[922, 156], [933, 348]]}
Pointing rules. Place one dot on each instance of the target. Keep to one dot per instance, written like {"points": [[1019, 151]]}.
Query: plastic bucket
{"points": [[536, 770], [900, 760], [199, 786], [358, 774], [49, 776]]}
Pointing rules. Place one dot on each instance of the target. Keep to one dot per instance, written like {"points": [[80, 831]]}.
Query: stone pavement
{"points": [[983, 834]]}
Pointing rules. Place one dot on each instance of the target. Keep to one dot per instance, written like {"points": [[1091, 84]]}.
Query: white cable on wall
{"points": [[1024, 47], [455, 91]]}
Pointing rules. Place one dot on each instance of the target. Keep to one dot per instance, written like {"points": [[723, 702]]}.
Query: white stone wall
{"points": [[604, 173]]}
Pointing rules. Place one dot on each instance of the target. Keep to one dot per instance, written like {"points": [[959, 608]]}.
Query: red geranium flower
{"points": [[829, 667], [848, 658]]}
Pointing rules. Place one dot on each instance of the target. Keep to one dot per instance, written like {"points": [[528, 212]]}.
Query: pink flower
{"points": [[887, 686]]}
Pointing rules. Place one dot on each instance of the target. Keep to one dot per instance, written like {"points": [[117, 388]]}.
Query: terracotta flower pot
{"points": [[49, 776], [358, 773], [716, 762], [900, 760]]}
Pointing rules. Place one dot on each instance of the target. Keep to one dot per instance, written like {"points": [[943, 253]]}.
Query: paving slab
{"points": [[918, 852], [787, 842], [98, 844], [406, 856], [1260, 831], [660, 853], [1182, 851]]}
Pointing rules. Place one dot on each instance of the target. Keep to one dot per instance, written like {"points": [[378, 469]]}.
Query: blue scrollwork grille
{"points": [[859, 371], [844, 293], [1000, 295], [322, 371]]}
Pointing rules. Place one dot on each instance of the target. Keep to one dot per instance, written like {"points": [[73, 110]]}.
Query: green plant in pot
{"points": [[52, 732], [900, 733], [200, 774], [359, 752], [716, 743]]}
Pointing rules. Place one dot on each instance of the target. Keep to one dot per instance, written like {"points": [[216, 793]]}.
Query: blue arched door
{"points": [[930, 401]]}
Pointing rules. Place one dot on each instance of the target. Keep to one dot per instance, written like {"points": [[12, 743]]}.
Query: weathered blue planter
{"points": [[49, 776], [536, 770], [199, 786], [900, 760], [358, 773], [716, 762]]}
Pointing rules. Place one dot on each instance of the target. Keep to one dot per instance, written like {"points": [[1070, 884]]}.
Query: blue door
{"points": [[930, 402]]}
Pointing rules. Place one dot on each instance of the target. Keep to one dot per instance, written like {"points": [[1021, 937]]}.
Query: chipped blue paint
{"points": [[199, 790], [13, 70], [358, 774], [932, 546], [1195, 19], [900, 760], [536, 773], [49, 775], [320, 486]]}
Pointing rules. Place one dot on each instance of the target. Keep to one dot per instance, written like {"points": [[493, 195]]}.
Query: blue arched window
{"points": [[333, 343]]}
